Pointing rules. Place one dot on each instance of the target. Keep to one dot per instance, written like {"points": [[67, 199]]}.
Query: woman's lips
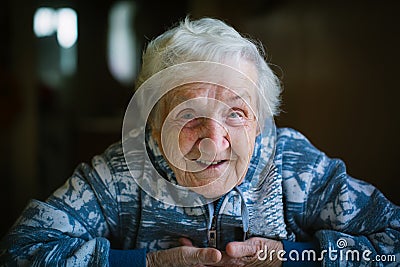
{"points": [[200, 164], [205, 164]]}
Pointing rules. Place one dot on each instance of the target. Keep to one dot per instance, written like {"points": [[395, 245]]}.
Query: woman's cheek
{"points": [[170, 149], [240, 142], [170, 144], [187, 140]]}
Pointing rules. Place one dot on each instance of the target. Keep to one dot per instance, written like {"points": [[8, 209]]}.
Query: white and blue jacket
{"points": [[101, 217]]}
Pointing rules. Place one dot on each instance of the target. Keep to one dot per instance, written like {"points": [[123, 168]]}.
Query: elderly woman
{"points": [[203, 178]]}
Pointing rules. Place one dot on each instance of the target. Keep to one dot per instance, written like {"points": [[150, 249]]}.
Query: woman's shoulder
{"points": [[114, 157], [295, 153], [292, 141], [290, 134], [111, 165]]}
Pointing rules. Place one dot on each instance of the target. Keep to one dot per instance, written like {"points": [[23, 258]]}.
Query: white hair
{"points": [[209, 39]]}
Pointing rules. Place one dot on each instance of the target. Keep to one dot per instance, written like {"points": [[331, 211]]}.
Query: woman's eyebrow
{"points": [[244, 97], [180, 98]]}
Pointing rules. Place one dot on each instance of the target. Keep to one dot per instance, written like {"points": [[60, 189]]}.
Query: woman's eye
{"points": [[186, 115], [235, 115]]}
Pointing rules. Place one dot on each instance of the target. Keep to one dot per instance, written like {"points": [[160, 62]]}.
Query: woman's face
{"points": [[208, 136]]}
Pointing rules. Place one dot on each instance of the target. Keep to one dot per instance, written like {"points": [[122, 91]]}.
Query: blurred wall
{"points": [[338, 62], [18, 100]]}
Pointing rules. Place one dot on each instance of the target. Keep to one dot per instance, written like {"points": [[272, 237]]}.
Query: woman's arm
{"points": [[346, 216]]}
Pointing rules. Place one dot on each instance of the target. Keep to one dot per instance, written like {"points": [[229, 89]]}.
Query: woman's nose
{"points": [[216, 135]]}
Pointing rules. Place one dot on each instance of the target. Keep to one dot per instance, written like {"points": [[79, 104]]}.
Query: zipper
{"points": [[212, 224], [245, 214], [212, 234]]}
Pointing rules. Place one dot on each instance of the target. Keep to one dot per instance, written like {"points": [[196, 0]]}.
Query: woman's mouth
{"points": [[210, 164]]}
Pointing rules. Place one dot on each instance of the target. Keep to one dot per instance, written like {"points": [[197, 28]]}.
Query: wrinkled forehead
{"points": [[239, 79]]}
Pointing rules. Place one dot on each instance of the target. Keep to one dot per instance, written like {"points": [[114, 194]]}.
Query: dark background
{"points": [[338, 62]]}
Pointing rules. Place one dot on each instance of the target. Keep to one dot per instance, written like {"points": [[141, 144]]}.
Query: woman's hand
{"points": [[186, 255], [252, 253], [247, 253]]}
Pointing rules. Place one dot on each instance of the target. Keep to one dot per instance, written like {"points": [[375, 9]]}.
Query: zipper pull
{"points": [[212, 234], [212, 238]]}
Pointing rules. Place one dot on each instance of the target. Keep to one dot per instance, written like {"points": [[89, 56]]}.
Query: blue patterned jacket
{"points": [[306, 196]]}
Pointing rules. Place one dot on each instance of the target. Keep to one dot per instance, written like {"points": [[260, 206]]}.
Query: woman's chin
{"points": [[214, 188], [214, 185], [208, 191]]}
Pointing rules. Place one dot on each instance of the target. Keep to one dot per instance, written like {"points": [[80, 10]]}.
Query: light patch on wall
{"points": [[122, 53], [63, 24], [44, 22], [63, 21], [67, 27]]}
